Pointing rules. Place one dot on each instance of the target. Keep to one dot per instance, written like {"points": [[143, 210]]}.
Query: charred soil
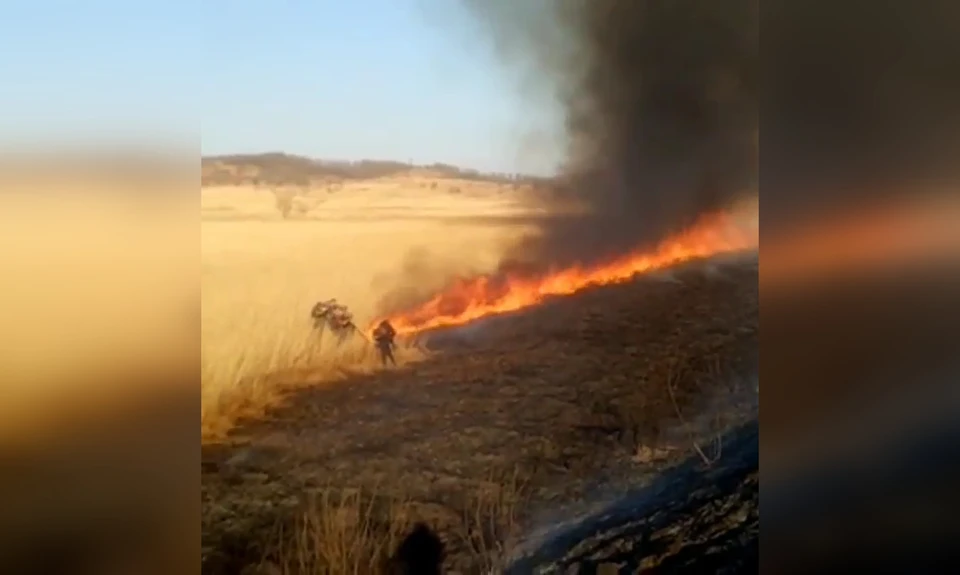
{"points": [[534, 421]]}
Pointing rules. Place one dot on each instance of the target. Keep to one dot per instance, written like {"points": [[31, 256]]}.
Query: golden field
{"points": [[365, 241]]}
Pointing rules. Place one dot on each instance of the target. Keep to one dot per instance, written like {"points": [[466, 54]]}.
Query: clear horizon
{"points": [[347, 160]]}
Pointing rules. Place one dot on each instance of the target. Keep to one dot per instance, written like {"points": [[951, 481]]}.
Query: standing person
{"points": [[384, 336]]}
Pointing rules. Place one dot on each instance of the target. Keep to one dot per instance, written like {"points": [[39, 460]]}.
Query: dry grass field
{"points": [[316, 461], [261, 274]]}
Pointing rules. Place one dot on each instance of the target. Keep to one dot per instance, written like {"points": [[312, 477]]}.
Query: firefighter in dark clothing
{"points": [[383, 336]]}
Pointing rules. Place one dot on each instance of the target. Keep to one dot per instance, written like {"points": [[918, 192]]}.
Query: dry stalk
{"points": [[490, 522], [675, 374], [341, 533]]}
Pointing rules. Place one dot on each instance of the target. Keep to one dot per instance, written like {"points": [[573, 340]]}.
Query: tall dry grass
{"points": [[262, 274], [352, 532]]}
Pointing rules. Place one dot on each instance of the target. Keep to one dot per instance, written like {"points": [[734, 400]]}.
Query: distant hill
{"points": [[277, 168]]}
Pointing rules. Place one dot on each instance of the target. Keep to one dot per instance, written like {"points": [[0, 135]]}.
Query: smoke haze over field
{"points": [[660, 106]]}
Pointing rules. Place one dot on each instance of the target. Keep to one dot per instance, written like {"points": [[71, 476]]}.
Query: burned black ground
{"points": [[577, 402]]}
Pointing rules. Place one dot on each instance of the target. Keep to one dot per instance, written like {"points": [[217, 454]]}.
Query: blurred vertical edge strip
{"points": [[99, 360], [860, 246]]}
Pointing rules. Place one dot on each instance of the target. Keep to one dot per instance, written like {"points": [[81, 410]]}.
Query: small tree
{"points": [[284, 202]]}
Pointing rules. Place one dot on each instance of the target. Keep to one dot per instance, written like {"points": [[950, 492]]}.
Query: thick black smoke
{"points": [[660, 102], [860, 101]]}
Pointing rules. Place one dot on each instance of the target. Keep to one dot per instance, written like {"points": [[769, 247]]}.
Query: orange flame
{"points": [[471, 299]]}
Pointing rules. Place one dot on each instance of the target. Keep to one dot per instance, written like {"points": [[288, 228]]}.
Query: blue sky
{"points": [[348, 79]]}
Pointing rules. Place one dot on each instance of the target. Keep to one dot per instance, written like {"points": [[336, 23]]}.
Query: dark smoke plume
{"points": [[660, 102], [861, 101]]}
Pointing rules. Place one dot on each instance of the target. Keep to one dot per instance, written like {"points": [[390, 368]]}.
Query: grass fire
{"points": [[471, 299], [604, 368], [607, 376]]}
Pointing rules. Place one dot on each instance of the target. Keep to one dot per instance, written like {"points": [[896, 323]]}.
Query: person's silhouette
{"points": [[384, 336], [420, 553]]}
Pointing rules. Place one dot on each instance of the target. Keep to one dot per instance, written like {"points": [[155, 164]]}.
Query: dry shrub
{"points": [[342, 532], [284, 201]]}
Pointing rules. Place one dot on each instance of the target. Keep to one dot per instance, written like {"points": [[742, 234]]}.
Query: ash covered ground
{"points": [[561, 418]]}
